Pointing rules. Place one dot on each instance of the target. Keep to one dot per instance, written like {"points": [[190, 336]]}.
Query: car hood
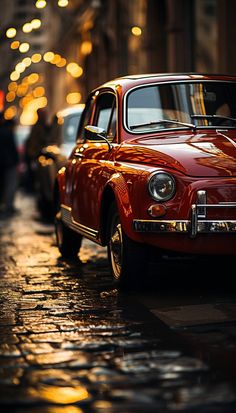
{"points": [[194, 154]]}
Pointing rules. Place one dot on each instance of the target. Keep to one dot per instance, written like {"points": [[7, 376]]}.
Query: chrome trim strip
{"points": [[201, 199], [194, 223], [220, 205], [192, 227], [158, 225], [68, 219]]}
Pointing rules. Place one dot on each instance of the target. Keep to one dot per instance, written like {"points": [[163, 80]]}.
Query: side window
{"points": [[105, 114], [70, 127], [85, 120], [111, 133]]}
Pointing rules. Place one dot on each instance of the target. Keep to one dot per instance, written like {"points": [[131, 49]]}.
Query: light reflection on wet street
{"points": [[71, 343]]}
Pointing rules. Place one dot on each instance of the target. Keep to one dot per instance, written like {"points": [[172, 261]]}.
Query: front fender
{"points": [[60, 183], [126, 190]]}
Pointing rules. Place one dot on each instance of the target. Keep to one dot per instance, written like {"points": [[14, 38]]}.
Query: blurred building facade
{"points": [[103, 39], [25, 32]]}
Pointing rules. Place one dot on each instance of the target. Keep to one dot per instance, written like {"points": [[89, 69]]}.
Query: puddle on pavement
{"points": [[71, 343]]}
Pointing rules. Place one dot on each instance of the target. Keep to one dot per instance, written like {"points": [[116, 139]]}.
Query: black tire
{"points": [[127, 258], [68, 241]]}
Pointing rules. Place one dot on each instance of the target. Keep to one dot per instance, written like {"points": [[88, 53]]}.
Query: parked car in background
{"points": [[153, 170], [61, 141], [21, 134]]}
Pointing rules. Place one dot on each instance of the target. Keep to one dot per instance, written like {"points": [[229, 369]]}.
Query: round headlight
{"points": [[161, 186]]}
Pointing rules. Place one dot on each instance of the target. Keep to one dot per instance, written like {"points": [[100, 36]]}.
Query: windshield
{"points": [[201, 104]]}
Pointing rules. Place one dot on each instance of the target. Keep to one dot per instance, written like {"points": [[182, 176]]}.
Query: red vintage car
{"points": [[154, 166]]}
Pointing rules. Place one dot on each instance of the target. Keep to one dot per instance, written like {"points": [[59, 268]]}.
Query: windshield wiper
{"points": [[160, 121], [212, 116]]}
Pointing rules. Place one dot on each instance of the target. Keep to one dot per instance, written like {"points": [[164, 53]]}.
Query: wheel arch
{"points": [[108, 198], [59, 184], [116, 191]]}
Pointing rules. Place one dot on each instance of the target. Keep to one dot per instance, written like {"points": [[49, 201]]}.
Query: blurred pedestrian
{"points": [[38, 138], [9, 159]]}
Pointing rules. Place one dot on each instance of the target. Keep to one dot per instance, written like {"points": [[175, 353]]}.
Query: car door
{"points": [[75, 157], [91, 158]]}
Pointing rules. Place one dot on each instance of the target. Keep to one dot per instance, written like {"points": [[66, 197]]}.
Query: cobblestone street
{"points": [[71, 343]]}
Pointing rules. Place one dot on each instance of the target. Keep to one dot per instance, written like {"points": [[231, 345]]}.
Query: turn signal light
{"points": [[157, 210]]}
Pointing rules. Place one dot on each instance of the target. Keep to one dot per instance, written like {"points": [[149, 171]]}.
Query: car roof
{"points": [[139, 79]]}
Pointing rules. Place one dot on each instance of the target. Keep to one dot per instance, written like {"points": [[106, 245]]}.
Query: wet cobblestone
{"points": [[71, 343]]}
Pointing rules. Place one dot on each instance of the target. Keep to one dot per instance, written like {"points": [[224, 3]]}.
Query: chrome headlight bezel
{"points": [[153, 191]]}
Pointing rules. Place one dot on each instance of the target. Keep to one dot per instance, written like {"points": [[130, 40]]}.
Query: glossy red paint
{"points": [[201, 158]]}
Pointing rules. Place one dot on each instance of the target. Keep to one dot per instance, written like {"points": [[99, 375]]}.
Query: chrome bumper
{"points": [[197, 224]]}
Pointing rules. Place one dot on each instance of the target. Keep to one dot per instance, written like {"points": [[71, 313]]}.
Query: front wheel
{"points": [[68, 241], [127, 258]]}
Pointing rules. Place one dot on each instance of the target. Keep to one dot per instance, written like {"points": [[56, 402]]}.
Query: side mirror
{"points": [[95, 133]]}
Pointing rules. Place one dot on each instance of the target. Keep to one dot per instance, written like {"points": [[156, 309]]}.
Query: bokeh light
{"points": [[33, 78], [27, 61], [14, 75], [48, 56], [36, 57], [24, 47], [10, 96], [136, 31], [73, 98], [27, 28], [62, 62], [11, 32], [36, 23], [40, 4], [86, 47], [63, 3], [15, 45], [10, 112], [74, 69], [12, 86]]}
